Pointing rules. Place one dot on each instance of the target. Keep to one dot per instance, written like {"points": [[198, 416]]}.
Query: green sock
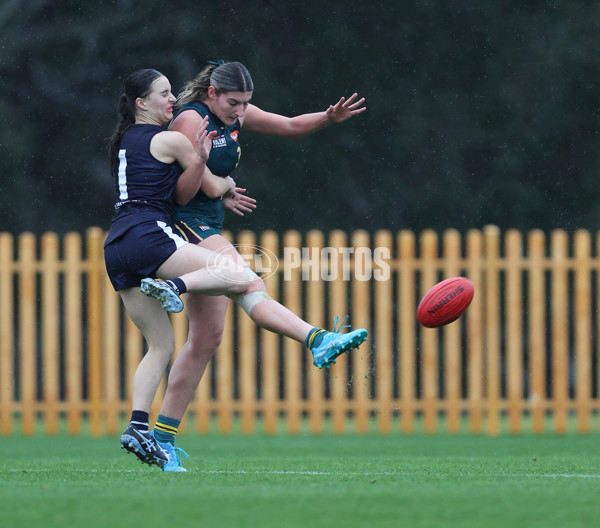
{"points": [[165, 429]]}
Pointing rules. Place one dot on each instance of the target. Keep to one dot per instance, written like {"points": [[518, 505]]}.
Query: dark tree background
{"points": [[479, 112]]}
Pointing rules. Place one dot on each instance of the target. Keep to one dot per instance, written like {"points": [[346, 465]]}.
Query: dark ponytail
{"points": [[138, 84]]}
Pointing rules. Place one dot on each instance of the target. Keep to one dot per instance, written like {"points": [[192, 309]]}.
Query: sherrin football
{"points": [[445, 302]]}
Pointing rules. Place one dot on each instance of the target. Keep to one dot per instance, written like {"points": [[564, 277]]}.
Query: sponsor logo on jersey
{"points": [[219, 142], [234, 135], [203, 227]]}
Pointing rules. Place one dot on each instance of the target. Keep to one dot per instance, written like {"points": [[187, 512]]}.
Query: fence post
{"points": [[7, 342], [452, 333], [583, 332], [28, 331], [361, 303], [384, 345], [407, 284], [73, 332], [560, 329], [492, 292], [474, 316], [338, 304], [429, 336], [537, 328], [514, 329], [50, 331]]}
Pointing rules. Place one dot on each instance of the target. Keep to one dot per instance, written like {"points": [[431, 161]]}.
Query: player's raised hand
{"points": [[345, 108], [204, 140]]}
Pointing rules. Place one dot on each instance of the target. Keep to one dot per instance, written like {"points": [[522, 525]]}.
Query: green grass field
{"points": [[310, 481]]}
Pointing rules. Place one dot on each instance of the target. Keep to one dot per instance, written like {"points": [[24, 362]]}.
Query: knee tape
{"points": [[249, 300]]}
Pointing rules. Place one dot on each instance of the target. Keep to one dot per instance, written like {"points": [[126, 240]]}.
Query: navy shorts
{"points": [[195, 231], [139, 252]]}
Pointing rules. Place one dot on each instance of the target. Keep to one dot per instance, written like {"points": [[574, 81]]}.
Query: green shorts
{"points": [[195, 232]]}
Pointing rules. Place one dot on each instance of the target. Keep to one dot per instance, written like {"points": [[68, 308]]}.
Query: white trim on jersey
{"points": [[123, 192]]}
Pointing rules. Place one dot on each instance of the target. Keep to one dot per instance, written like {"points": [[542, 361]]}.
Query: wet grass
{"points": [[318, 481]]}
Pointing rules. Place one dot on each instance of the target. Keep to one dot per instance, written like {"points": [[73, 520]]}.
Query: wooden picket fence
{"points": [[525, 356]]}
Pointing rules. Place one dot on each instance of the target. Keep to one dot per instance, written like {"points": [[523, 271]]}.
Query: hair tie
{"points": [[215, 64]]}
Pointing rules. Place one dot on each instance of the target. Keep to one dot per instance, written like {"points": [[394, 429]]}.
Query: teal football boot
{"points": [[174, 453], [327, 346]]}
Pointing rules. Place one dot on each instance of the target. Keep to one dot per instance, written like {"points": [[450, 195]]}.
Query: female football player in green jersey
{"points": [[222, 92]]}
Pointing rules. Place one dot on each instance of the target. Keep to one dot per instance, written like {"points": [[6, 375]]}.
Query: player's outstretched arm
{"points": [[258, 120]]}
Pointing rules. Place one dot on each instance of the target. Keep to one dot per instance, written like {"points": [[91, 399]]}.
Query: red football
{"points": [[445, 302]]}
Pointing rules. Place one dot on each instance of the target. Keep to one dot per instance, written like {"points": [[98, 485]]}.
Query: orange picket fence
{"points": [[525, 356]]}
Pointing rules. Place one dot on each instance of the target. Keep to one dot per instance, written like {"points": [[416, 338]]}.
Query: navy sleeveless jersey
{"points": [[224, 158], [144, 186]]}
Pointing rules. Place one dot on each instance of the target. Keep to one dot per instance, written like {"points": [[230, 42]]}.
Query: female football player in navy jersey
{"points": [[221, 93], [151, 167]]}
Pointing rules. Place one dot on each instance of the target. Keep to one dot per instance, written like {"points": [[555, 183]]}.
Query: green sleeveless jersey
{"points": [[223, 159]]}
